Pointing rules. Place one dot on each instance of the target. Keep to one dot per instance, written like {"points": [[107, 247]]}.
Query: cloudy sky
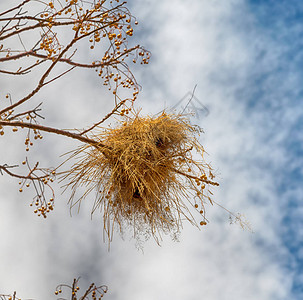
{"points": [[246, 59]]}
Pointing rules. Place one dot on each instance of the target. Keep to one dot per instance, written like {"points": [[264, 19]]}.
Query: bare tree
{"points": [[55, 30], [42, 38], [146, 172]]}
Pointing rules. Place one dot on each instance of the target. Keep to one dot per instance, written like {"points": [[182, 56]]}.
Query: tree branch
{"points": [[14, 8], [69, 134], [41, 82]]}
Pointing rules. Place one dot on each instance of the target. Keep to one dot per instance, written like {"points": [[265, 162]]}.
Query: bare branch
{"points": [[33, 112], [41, 82], [92, 292], [105, 118], [6, 167], [52, 130], [14, 8]]}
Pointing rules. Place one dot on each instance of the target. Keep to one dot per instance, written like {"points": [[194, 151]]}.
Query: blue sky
{"points": [[246, 59], [277, 94]]}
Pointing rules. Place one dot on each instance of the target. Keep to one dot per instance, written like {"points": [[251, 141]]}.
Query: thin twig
{"points": [[195, 177], [62, 74], [105, 118], [5, 169]]}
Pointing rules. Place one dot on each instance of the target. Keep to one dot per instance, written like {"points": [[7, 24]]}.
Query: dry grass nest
{"points": [[148, 174]]}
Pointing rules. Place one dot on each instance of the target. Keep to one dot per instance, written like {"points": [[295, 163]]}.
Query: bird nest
{"points": [[147, 174]]}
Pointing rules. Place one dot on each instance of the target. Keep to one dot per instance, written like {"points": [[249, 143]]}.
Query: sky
{"points": [[245, 58]]}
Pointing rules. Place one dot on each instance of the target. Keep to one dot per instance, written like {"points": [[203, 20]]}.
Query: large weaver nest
{"points": [[145, 174]]}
